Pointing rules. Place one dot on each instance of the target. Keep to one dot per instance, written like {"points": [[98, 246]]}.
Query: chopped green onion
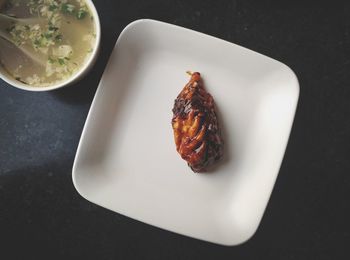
{"points": [[48, 35], [53, 28], [37, 42], [81, 14], [53, 7], [58, 38], [51, 60], [68, 8], [61, 61]]}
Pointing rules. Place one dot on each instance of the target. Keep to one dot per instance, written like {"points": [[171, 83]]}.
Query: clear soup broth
{"points": [[63, 38]]}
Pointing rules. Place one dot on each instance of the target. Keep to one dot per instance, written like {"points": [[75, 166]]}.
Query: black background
{"points": [[43, 217]]}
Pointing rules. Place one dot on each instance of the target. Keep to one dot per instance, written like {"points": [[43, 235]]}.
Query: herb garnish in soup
{"points": [[64, 36]]}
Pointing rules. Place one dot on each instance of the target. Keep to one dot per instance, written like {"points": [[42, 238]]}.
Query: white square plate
{"points": [[127, 161]]}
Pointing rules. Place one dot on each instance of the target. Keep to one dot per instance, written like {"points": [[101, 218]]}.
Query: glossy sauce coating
{"points": [[196, 129]]}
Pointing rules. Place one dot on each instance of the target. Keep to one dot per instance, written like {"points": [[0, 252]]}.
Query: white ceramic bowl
{"points": [[75, 77]]}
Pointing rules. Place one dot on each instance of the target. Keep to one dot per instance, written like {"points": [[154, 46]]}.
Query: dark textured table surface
{"points": [[43, 217]]}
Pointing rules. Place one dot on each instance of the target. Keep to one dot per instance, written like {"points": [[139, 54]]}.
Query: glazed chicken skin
{"points": [[196, 130]]}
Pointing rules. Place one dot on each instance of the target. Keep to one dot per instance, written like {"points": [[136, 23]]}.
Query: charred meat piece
{"points": [[196, 130]]}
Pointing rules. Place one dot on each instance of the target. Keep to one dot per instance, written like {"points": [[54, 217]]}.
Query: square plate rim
{"points": [[204, 35]]}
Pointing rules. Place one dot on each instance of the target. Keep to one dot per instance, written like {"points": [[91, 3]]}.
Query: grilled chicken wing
{"points": [[196, 130]]}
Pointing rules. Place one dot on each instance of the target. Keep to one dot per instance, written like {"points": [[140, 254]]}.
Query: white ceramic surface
{"points": [[75, 77], [127, 162]]}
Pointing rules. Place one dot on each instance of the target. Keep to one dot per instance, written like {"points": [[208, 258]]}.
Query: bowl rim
{"points": [[86, 66]]}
